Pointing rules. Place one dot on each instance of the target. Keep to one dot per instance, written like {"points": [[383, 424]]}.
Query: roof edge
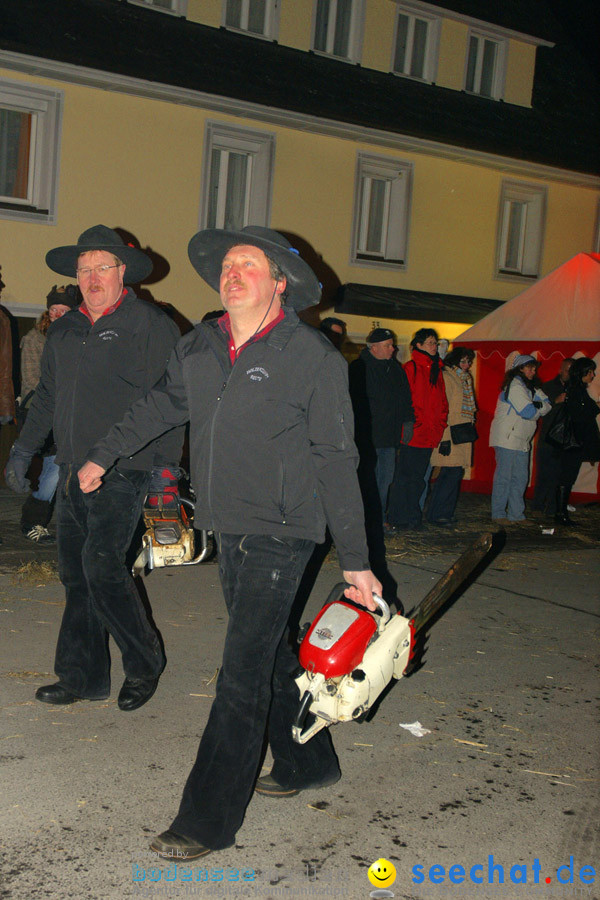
{"points": [[105, 80]]}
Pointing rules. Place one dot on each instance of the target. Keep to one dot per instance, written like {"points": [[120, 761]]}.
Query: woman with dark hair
{"points": [[430, 406], [582, 410], [520, 405], [453, 458]]}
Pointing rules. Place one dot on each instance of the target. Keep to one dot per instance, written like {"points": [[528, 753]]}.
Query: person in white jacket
{"points": [[520, 404]]}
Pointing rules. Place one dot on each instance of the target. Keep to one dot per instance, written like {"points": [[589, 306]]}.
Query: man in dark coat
{"points": [[273, 462], [383, 411], [97, 359]]}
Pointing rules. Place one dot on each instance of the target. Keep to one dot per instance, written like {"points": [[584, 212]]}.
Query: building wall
{"points": [[206, 12], [136, 163], [451, 62], [380, 19], [520, 67], [295, 26]]}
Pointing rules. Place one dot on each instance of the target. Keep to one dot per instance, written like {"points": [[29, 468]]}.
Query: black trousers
{"points": [[406, 489], [570, 464], [547, 478], [94, 532], [260, 575], [444, 495]]}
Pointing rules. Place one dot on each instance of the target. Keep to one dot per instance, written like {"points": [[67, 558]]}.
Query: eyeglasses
{"points": [[86, 271]]}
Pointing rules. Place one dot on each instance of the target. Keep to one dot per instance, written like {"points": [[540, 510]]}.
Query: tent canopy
{"points": [[563, 306], [557, 317]]}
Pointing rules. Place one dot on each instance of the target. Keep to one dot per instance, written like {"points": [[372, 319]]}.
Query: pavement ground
{"points": [[507, 774]]}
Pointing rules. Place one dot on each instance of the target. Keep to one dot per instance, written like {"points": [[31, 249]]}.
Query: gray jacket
{"points": [[271, 443]]}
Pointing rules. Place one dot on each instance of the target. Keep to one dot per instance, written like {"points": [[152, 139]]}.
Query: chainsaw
{"points": [[170, 538], [349, 655]]}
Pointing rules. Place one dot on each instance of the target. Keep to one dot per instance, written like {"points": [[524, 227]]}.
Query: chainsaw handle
{"points": [[383, 608], [303, 710], [341, 587]]}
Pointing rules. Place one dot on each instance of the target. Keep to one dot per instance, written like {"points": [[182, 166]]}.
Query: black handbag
{"points": [[561, 433], [464, 433]]}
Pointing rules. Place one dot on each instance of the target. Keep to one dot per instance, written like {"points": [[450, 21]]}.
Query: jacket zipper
{"points": [[282, 499], [211, 450], [75, 379]]}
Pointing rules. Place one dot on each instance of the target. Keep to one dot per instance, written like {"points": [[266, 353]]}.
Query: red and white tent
{"points": [[557, 317]]}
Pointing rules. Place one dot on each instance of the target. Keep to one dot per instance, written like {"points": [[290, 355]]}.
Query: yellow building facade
{"points": [[143, 155]]}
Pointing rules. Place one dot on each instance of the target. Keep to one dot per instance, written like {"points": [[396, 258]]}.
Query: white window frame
{"points": [[398, 175], [431, 46], [529, 201], [259, 146], [46, 108], [355, 39], [272, 10], [178, 7], [499, 74]]}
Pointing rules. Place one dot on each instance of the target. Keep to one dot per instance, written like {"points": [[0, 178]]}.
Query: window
{"points": [[237, 177], [521, 229], [416, 45], [338, 28], [485, 66], [179, 7], [381, 207], [30, 120], [259, 17]]}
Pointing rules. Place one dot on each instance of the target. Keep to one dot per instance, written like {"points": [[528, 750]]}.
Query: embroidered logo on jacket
{"points": [[257, 373], [108, 334]]}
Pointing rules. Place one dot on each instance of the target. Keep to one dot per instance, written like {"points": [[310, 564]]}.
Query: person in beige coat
{"points": [[451, 457]]}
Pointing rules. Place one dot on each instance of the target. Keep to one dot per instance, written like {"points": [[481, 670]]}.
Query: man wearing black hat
{"points": [[273, 462], [97, 360], [383, 412]]}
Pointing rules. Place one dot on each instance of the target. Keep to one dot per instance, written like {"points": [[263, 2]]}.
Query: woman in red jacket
{"points": [[424, 373]]}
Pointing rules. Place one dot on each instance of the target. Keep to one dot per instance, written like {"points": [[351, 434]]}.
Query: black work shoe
{"points": [[56, 694], [177, 846], [135, 692], [267, 786]]}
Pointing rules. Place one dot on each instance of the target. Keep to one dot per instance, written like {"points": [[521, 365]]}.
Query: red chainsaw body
{"points": [[337, 639]]}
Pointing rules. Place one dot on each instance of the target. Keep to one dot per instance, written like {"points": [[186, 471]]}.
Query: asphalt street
{"points": [[499, 799]]}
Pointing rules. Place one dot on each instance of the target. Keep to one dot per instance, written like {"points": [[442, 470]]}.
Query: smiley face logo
{"points": [[382, 873]]}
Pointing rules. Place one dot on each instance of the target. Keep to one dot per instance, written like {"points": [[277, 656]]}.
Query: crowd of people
{"points": [[278, 427], [415, 427]]}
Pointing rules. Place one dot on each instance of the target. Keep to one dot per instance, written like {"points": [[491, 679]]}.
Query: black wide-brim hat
{"points": [[64, 259], [207, 249]]}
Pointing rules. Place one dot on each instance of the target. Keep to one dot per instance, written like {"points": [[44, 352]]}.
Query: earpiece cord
{"points": [[260, 325]]}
